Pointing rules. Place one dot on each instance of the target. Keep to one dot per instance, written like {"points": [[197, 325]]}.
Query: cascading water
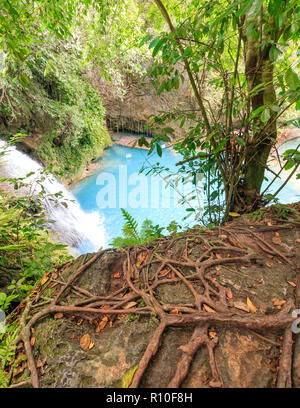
{"points": [[83, 231]]}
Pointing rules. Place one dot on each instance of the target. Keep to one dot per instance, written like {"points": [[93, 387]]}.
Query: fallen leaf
{"points": [[219, 256], [298, 240], [278, 302], [241, 305], [174, 311], [116, 275], [269, 224], [105, 307], [208, 309], [234, 214], [32, 341], [292, 284], [53, 285], [91, 345], [141, 258], [212, 334], [251, 306], [129, 305], [277, 234], [128, 377], [102, 324], [228, 293], [39, 363], [58, 315], [44, 280], [276, 240], [222, 236], [85, 342]]}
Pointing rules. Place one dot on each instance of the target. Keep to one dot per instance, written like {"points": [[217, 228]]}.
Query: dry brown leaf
{"points": [[298, 240], [39, 363], [241, 305], [222, 236], [212, 334], [85, 342], [105, 307], [228, 293], [292, 284], [277, 234], [183, 256], [32, 341], [208, 309], [251, 306], [102, 324], [219, 256], [278, 302], [91, 345], [174, 311], [129, 305], [44, 280], [234, 214], [58, 315], [141, 258], [116, 275], [276, 240]]}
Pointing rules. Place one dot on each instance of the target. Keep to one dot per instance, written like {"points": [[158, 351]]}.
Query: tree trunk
{"points": [[258, 70]]}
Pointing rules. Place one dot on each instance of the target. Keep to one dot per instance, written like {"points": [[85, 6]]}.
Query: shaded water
{"points": [[117, 185], [120, 164], [291, 191]]}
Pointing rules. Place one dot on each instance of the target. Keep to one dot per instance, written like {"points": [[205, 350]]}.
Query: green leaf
{"points": [[158, 47], [292, 79], [144, 40], [256, 112], [265, 116], [128, 377], [153, 43], [274, 53], [240, 141], [187, 52], [159, 150]]}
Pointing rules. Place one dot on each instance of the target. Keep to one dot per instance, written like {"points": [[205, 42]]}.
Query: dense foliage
{"points": [[54, 103], [248, 50]]}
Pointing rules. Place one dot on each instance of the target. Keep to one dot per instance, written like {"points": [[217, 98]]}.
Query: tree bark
{"points": [[258, 70]]}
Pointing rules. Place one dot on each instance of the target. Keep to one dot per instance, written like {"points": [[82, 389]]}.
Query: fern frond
{"points": [[131, 225]]}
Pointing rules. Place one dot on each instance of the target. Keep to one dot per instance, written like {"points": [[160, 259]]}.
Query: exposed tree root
{"points": [[211, 304]]}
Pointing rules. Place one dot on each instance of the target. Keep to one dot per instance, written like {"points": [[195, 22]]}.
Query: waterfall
{"points": [[82, 231]]}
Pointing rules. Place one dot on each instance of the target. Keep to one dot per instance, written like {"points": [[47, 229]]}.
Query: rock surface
{"points": [[244, 357]]}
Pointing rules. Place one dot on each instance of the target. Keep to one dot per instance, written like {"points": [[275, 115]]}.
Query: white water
{"points": [[72, 226]]}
